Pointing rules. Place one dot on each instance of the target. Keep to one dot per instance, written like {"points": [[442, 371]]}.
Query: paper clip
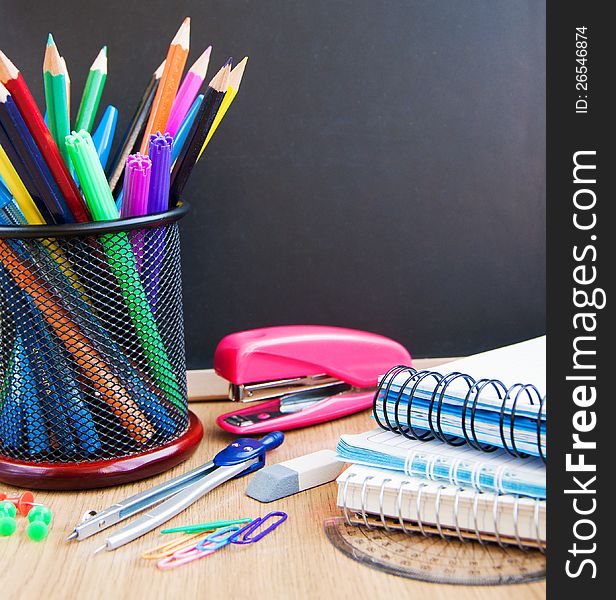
{"points": [[220, 536], [207, 546], [243, 536], [202, 527], [168, 548]]}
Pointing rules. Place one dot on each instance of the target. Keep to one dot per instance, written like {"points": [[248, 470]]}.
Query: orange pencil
{"points": [[169, 84], [87, 357]]}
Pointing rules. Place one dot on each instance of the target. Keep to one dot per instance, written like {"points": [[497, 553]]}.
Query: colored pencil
{"points": [[92, 92], [169, 83], [16, 85], [29, 163], [121, 261], [136, 185], [185, 162], [135, 128], [233, 87], [193, 80], [21, 410], [180, 137], [18, 190], [68, 88], [103, 136], [56, 99]]}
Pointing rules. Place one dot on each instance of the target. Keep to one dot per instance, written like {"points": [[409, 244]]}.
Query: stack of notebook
{"points": [[458, 453]]}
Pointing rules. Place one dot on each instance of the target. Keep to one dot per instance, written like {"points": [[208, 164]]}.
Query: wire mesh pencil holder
{"points": [[92, 360]]}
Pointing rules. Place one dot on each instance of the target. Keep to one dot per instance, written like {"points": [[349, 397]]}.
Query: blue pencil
{"points": [[65, 402], [184, 128], [22, 409], [103, 136]]}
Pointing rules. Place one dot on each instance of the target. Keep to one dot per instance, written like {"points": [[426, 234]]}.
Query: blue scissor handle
{"points": [[244, 449]]}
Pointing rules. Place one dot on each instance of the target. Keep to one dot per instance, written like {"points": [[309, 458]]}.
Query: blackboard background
{"points": [[383, 167]]}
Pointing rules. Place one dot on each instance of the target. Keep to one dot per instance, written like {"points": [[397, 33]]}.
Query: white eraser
{"points": [[295, 475]]}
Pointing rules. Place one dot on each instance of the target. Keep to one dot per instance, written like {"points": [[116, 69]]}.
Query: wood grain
{"points": [[295, 561]]}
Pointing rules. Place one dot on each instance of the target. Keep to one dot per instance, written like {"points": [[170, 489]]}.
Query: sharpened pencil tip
{"points": [[50, 41], [200, 66], [71, 537], [182, 37], [7, 69], [229, 61], [100, 549], [100, 62], [235, 77], [159, 72]]}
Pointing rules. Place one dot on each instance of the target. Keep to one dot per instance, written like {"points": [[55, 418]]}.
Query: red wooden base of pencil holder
{"points": [[103, 473], [92, 360]]}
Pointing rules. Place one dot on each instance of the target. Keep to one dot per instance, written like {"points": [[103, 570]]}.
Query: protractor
{"points": [[433, 558]]}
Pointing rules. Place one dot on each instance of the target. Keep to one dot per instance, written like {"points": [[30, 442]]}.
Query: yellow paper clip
{"points": [[169, 548]]}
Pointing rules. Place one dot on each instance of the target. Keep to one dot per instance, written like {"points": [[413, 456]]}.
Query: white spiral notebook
{"points": [[392, 499], [493, 399]]}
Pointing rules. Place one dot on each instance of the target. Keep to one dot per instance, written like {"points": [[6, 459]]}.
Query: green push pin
{"points": [[7, 518], [38, 528]]}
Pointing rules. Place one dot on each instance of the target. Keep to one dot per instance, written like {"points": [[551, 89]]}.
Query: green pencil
{"points": [[92, 92], [121, 260], [55, 78]]}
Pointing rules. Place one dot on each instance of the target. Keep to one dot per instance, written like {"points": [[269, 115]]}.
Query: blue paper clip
{"points": [[243, 535], [217, 539]]}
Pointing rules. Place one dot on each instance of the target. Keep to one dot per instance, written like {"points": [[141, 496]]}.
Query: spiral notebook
{"points": [[377, 497], [491, 400], [464, 466]]}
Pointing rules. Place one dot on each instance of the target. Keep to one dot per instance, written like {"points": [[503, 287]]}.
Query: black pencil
{"points": [[198, 132], [133, 132]]}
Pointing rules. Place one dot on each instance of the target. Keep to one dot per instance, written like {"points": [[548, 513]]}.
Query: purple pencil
{"points": [[135, 204], [160, 150]]}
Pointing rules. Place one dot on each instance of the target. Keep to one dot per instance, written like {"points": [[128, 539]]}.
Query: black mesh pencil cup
{"points": [[92, 362]]}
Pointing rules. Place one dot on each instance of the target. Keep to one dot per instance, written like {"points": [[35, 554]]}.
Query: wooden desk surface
{"points": [[295, 561]]}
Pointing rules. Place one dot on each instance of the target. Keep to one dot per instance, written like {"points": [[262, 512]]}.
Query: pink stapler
{"points": [[307, 373]]}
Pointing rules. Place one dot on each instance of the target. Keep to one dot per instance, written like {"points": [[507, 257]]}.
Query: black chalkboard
{"points": [[382, 168]]}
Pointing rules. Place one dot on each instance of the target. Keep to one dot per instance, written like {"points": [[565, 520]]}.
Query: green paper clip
{"points": [[205, 526]]}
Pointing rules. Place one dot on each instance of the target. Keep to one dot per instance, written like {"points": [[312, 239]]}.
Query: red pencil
{"points": [[15, 84]]}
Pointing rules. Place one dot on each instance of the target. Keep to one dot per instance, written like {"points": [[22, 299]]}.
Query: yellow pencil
{"points": [[235, 78], [19, 191]]}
